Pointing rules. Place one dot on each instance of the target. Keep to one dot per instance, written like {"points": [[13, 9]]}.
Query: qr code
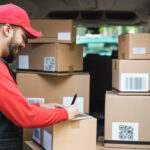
{"points": [[49, 63], [126, 132]]}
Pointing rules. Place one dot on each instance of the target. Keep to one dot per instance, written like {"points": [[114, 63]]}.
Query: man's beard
{"points": [[12, 47]]}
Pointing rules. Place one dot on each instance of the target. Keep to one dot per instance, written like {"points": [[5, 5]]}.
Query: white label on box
{"points": [[23, 61], [64, 36], [33, 100], [124, 131], [139, 50], [36, 135], [137, 82], [79, 102], [49, 63], [47, 140]]}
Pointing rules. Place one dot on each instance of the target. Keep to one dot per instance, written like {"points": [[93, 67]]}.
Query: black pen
{"points": [[74, 99]]}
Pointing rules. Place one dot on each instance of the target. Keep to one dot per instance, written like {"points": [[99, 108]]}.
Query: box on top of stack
{"points": [[134, 46], [54, 30]]}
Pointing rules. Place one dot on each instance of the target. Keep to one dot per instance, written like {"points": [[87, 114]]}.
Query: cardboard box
{"points": [[126, 121], [50, 89], [60, 31], [131, 76], [31, 145], [59, 89], [52, 57], [79, 134], [134, 46]]}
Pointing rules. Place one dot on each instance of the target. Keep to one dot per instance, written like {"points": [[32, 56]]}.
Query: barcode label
{"points": [[125, 131], [137, 82], [36, 135], [49, 63], [139, 50], [33, 100]]}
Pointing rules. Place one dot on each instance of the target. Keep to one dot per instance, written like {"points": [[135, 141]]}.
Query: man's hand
{"points": [[51, 105], [73, 112]]}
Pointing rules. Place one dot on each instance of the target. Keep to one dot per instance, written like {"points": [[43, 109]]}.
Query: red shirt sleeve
{"points": [[17, 109]]}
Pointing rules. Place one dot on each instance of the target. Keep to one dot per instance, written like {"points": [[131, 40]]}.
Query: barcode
{"points": [[134, 82], [32, 100], [49, 63], [36, 135], [125, 131]]}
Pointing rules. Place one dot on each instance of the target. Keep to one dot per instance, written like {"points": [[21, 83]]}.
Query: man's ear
{"points": [[6, 30]]}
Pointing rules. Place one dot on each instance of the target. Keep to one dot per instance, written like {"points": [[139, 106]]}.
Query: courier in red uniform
{"points": [[15, 111]]}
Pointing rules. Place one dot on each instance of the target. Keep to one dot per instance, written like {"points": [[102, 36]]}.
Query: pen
{"points": [[74, 99]]}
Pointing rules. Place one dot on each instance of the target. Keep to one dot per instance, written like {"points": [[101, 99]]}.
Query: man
{"points": [[15, 111]]}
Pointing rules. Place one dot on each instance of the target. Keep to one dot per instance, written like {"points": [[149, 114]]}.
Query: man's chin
{"points": [[10, 58]]}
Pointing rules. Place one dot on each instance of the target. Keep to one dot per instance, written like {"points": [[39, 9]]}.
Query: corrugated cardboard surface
{"points": [[128, 66], [54, 88], [127, 109], [129, 41], [74, 135], [68, 57], [51, 28]]}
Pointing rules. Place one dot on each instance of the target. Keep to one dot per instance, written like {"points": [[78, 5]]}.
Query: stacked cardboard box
{"points": [[127, 106], [79, 134], [50, 68], [56, 51]]}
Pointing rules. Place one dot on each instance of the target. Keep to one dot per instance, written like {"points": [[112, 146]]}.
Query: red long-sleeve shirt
{"points": [[17, 109]]}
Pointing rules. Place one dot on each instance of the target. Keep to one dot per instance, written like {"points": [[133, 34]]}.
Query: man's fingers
{"points": [[73, 112]]}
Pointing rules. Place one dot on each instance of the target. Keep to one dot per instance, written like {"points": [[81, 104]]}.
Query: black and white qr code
{"points": [[49, 64], [126, 132]]}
